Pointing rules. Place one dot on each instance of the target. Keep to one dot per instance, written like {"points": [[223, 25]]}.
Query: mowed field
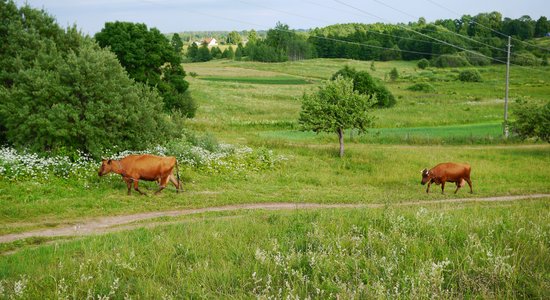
{"points": [[471, 249]]}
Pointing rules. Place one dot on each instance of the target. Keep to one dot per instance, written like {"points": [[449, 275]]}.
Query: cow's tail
{"points": [[179, 187]]}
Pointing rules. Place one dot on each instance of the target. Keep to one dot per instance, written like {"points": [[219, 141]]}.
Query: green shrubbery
{"points": [[422, 87], [59, 89], [471, 75], [364, 83], [476, 58], [450, 61], [526, 58], [149, 58], [423, 64], [532, 121]]}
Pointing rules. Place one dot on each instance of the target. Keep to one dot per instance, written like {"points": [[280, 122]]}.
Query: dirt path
{"points": [[118, 223]]}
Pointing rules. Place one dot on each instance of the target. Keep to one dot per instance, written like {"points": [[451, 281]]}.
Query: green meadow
{"points": [[461, 250]]}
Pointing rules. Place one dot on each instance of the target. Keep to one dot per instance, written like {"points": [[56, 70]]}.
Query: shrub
{"points": [[526, 58], [364, 83], [476, 58], [423, 64], [422, 87], [85, 101], [532, 121], [450, 61], [394, 74], [469, 76]]}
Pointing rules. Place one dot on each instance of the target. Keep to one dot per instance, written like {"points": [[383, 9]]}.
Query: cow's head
{"points": [[106, 167], [426, 176]]}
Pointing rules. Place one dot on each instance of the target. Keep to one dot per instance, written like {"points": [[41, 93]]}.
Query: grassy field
{"points": [[450, 251], [491, 250]]}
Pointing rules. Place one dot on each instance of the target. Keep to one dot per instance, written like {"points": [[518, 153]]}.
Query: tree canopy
{"points": [[365, 84], [335, 107], [148, 57], [60, 90]]}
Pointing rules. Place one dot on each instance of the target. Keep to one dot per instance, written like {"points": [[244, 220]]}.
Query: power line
{"points": [[491, 29], [456, 33], [349, 42], [420, 33]]}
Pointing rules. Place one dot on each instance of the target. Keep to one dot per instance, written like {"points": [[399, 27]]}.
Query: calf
{"points": [[447, 172], [146, 167]]}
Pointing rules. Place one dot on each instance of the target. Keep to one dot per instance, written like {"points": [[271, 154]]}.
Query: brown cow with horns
{"points": [[451, 172], [143, 167]]}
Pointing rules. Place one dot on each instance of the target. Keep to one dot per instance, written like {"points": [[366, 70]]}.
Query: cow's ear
{"points": [[109, 162]]}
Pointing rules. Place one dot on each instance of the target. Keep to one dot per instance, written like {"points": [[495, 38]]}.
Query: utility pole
{"points": [[506, 133]]}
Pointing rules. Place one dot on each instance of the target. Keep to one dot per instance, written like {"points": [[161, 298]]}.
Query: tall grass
{"points": [[449, 251]]}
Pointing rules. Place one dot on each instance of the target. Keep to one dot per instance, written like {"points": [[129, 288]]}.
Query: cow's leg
{"points": [[163, 182], [443, 187], [128, 184], [136, 187], [457, 186], [470, 184], [428, 188], [176, 183]]}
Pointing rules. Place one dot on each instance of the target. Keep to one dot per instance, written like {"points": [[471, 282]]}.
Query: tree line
{"points": [[484, 35]]}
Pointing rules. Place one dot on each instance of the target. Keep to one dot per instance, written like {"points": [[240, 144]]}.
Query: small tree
{"points": [[234, 38], [192, 51], [203, 54], [334, 108], [423, 64], [216, 53], [228, 53], [176, 43], [394, 74], [239, 53]]}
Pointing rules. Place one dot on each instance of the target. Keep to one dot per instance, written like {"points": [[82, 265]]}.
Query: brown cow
{"points": [[451, 172], [143, 167]]}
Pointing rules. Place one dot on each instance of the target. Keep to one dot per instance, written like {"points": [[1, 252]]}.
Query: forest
{"points": [[470, 40]]}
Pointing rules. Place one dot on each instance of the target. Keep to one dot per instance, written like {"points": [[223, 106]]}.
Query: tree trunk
{"points": [[341, 139]]}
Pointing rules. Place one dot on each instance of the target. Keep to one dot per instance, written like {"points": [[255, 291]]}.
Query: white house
{"points": [[209, 42]]}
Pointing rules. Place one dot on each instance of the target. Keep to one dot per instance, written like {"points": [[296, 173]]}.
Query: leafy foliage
{"points": [[64, 91], [471, 75], [476, 58], [394, 74], [532, 121], [334, 107], [176, 43], [422, 87], [450, 61], [423, 63], [148, 57], [365, 84], [280, 44]]}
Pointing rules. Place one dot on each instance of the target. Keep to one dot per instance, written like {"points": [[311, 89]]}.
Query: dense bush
{"points": [[85, 102], [423, 64], [526, 58], [532, 121], [476, 58], [364, 83], [61, 90], [471, 75], [394, 74], [422, 87], [450, 61]]}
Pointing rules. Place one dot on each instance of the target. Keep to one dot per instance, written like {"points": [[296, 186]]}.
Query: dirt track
{"points": [[109, 224]]}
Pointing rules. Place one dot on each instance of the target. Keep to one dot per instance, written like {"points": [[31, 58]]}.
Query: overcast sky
{"points": [[194, 15]]}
